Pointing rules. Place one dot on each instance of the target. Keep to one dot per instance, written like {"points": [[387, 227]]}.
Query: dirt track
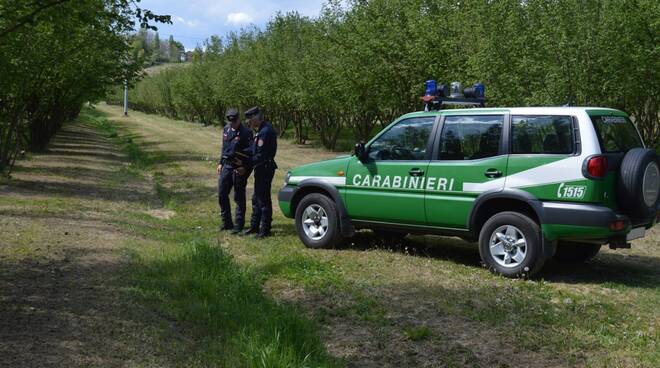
{"points": [[61, 260]]}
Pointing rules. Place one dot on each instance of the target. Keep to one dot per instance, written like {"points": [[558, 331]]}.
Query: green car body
{"points": [[448, 172]]}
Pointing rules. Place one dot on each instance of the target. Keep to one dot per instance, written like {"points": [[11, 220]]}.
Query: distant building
{"points": [[186, 56]]}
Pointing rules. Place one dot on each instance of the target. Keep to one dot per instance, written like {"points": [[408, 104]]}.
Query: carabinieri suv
{"points": [[526, 183]]}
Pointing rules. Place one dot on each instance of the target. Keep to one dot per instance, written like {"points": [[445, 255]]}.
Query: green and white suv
{"points": [[526, 183]]}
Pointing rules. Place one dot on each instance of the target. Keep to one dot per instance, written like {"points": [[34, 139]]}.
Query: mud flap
{"points": [[549, 247], [346, 226]]}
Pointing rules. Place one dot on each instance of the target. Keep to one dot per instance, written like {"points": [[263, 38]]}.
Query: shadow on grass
{"points": [[445, 248], [84, 134], [59, 313], [102, 183], [70, 172], [607, 268], [80, 190]]}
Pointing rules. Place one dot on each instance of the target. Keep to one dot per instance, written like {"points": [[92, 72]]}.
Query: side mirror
{"points": [[361, 152]]}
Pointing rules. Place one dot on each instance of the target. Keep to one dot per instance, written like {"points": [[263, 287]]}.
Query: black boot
{"points": [[226, 226], [262, 234], [251, 230], [236, 230]]}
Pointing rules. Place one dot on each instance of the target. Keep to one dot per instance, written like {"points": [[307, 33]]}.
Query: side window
{"points": [[470, 137], [542, 134], [406, 140]]}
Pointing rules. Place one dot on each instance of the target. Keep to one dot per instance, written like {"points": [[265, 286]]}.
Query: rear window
{"points": [[542, 134], [616, 133]]}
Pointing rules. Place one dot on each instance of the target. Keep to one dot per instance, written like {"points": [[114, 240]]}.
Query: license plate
{"points": [[636, 233]]}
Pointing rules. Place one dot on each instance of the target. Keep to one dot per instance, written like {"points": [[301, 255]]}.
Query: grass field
{"points": [[139, 192]]}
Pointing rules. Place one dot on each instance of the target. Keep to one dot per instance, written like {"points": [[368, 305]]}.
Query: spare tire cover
{"points": [[638, 187]]}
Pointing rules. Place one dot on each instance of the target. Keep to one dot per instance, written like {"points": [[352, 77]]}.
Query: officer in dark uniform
{"points": [[264, 148], [232, 171]]}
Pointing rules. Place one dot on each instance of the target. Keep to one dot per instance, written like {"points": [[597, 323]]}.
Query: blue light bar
{"points": [[431, 87], [480, 90]]}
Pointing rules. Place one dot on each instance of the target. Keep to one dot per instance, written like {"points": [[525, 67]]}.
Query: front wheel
{"points": [[510, 244], [317, 222]]}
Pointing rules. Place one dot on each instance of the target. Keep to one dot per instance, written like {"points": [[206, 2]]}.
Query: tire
{"points": [[638, 186], [509, 259], [575, 252], [324, 232]]}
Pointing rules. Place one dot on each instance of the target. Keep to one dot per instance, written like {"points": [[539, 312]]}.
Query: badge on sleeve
{"points": [[260, 142]]}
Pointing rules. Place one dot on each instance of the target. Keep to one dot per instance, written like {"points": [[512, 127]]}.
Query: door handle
{"points": [[416, 172], [493, 173]]}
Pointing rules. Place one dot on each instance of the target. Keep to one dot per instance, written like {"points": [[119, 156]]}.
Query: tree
{"points": [[56, 56], [361, 64], [156, 52], [175, 49]]}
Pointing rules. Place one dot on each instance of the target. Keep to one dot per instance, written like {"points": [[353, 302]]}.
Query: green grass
{"points": [[190, 278], [417, 333], [601, 314], [202, 285]]}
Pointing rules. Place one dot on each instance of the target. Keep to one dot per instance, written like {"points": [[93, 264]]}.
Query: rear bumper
{"points": [[577, 221], [579, 214]]}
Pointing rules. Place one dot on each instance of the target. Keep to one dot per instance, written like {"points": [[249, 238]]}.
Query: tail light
{"points": [[597, 166], [618, 225]]}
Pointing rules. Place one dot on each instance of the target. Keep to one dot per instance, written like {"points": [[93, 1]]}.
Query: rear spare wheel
{"points": [[638, 187]]}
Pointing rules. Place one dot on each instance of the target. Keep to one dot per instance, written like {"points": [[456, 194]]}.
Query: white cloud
{"points": [[190, 23], [239, 18]]}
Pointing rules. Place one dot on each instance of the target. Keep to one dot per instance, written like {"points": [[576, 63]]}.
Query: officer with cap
{"points": [[236, 139], [264, 148]]}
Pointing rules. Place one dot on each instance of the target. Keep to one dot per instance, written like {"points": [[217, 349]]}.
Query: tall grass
{"points": [[202, 285], [235, 324]]}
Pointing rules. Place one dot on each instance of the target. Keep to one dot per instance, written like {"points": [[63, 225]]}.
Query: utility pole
{"points": [[125, 97]]}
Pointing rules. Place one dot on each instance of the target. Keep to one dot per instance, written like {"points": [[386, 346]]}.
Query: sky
{"points": [[196, 20]]}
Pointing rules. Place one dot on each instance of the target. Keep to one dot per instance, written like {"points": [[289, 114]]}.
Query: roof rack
{"points": [[440, 102], [437, 97]]}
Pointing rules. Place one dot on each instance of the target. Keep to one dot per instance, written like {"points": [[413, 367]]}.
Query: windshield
{"points": [[616, 133]]}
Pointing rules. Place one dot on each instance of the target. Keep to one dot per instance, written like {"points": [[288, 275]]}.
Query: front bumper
{"points": [[284, 198]]}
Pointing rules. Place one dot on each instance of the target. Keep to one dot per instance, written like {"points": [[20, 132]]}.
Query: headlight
{"points": [[287, 177]]}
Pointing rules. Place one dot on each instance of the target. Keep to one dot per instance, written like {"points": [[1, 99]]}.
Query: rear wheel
{"points": [[317, 222], [576, 252], [510, 245]]}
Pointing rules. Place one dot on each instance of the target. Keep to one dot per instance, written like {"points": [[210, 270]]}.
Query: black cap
{"points": [[231, 114], [252, 112]]}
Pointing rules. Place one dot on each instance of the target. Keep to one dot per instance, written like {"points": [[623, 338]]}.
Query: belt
{"points": [[270, 161]]}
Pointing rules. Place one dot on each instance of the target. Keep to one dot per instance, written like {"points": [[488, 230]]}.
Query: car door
{"points": [[470, 158], [389, 185]]}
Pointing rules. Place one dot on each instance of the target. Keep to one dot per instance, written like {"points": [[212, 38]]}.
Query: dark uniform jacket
{"points": [[264, 146], [233, 142]]}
